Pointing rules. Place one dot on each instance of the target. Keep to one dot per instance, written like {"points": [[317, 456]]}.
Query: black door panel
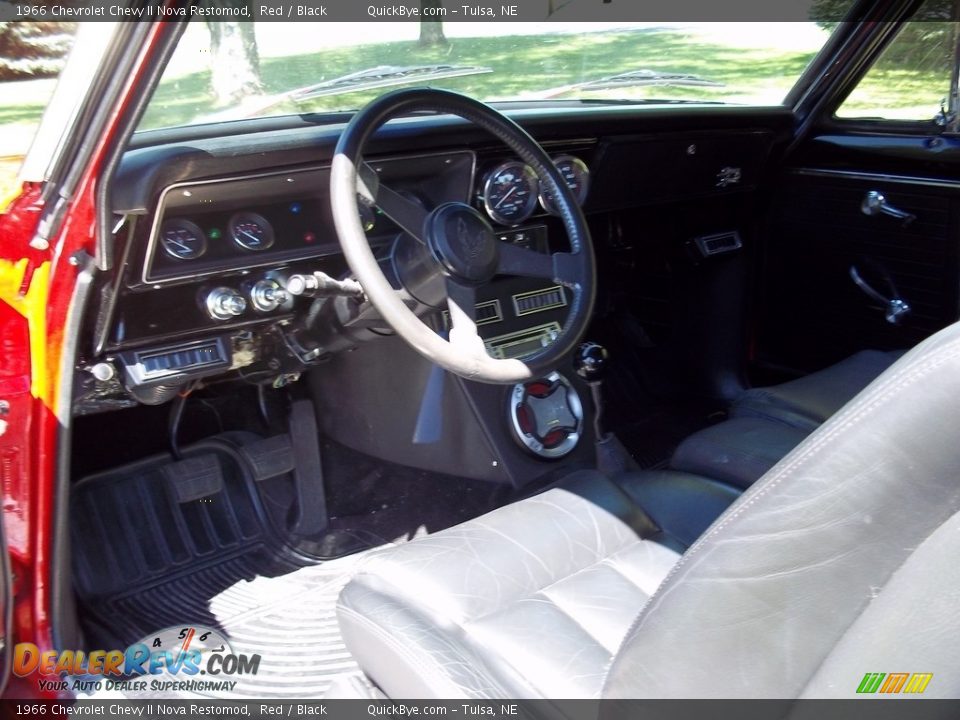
{"points": [[812, 313]]}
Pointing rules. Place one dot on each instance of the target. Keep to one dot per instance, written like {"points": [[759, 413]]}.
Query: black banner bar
{"points": [[414, 11]]}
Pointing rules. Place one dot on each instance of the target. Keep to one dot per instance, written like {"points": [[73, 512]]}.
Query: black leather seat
{"points": [[768, 422], [839, 561], [737, 451], [809, 401]]}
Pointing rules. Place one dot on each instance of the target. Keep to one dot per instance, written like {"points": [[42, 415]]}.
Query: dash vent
{"points": [[486, 312], [539, 300]]}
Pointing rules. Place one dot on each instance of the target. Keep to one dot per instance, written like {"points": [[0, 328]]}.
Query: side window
{"points": [[32, 54], [912, 77]]}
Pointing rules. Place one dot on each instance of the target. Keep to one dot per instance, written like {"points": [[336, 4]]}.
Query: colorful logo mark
{"points": [[893, 683]]}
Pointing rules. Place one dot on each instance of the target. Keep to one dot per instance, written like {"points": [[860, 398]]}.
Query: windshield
{"points": [[226, 71]]}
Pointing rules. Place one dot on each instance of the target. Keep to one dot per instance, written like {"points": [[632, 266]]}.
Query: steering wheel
{"points": [[454, 246]]}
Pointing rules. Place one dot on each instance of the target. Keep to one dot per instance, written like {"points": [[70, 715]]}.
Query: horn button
{"points": [[463, 242]]}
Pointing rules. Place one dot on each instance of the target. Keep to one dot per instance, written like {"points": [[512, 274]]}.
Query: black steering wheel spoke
{"points": [[559, 267], [408, 214]]}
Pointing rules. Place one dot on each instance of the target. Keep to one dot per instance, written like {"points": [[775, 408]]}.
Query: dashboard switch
{"points": [[224, 303], [268, 295]]}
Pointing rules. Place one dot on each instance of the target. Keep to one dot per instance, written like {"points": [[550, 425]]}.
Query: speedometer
{"points": [[577, 176], [510, 192]]}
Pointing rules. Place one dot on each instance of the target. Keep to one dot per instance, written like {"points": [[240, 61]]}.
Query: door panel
{"points": [[811, 312]]}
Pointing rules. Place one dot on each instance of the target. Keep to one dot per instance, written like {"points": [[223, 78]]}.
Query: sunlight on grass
{"points": [[527, 67], [523, 67]]}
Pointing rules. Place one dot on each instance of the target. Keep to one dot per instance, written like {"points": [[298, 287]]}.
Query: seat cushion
{"points": [[738, 451], [833, 565], [531, 600], [808, 402], [681, 504]]}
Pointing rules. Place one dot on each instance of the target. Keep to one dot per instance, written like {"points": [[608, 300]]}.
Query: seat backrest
{"points": [[842, 560]]}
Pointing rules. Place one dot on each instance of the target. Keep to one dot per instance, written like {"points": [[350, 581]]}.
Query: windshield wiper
{"points": [[384, 76], [370, 79], [634, 78]]}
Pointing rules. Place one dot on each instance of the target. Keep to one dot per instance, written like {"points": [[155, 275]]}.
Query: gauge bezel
{"points": [[495, 215], [247, 216], [580, 196], [190, 226]]}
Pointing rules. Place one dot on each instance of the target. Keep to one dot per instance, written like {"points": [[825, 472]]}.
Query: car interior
{"points": [[444, 399]]}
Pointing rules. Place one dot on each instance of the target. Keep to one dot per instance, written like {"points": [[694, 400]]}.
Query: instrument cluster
{"points": [[512, 192]]}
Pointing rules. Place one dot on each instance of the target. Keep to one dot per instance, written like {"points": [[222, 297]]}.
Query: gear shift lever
{"points": [[590, 362]]}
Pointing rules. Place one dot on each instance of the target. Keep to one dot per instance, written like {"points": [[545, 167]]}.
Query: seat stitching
{"points": [[592, 565], [869, 600], [613, 564], [880, 395], [877, 397]]}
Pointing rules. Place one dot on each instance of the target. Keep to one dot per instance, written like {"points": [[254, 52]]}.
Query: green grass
{"points": [[527, 64], [520, 64]]}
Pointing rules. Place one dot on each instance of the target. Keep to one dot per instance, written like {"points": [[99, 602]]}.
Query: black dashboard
{"points": [[211, 230]]}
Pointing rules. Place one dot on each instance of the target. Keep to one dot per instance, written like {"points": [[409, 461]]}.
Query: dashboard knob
{"points": [[103, 372], [267, 295], [306, 285], [224, 303]]}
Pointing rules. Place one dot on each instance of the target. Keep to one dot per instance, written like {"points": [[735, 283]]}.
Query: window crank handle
{"points": [[874, 203], [894, 307]]}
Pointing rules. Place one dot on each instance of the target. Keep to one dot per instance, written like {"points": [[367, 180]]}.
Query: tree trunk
{"points": [[431, 29], [234, 59]]}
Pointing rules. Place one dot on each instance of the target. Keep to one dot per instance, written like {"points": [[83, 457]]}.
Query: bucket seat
{"points": [[841, 560]]}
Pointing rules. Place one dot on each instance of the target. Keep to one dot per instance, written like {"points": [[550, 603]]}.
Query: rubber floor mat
{"points": [[288, 620], [159, 545]]}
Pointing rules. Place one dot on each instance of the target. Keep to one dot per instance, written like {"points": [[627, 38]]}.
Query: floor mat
{"points": [[161, 547], [288, 620]]}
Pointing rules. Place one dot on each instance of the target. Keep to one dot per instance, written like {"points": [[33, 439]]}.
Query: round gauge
{"points": [[182, 239], [576, 173], [510, 193], [251, 231]]}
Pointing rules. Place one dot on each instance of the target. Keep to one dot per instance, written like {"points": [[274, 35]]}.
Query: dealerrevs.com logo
{"points": [[191, 659]]}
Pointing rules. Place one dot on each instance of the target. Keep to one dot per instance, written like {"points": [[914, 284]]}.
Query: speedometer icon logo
{"points": [[185, 660]]}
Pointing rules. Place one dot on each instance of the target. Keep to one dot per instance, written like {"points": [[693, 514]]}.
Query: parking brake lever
{"points": [[895, 307], [876, 204]]}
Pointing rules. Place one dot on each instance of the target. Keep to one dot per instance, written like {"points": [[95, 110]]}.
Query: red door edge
{"points": [[37, 288]]}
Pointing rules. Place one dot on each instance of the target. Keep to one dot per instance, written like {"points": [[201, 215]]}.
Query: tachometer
{"points": [[576, 173], [182, 239], [251, 231], [510, 192]]}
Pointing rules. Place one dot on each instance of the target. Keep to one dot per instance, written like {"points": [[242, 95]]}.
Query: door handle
{"points": [[874, 203], [894, 307]]}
